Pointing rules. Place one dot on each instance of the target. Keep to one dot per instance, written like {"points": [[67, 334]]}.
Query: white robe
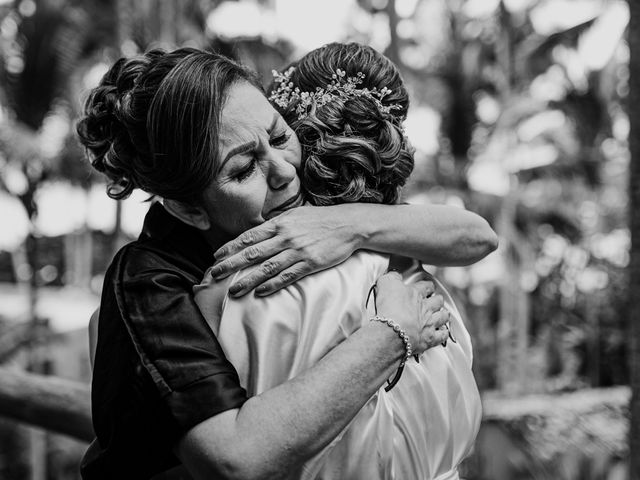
{"points": [[421, 429]]}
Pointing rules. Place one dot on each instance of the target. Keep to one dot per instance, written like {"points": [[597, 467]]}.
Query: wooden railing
{"points": [[55, 404], [545, 432]]}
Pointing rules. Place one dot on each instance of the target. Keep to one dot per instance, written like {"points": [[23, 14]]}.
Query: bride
{"points": [[346, 103]]}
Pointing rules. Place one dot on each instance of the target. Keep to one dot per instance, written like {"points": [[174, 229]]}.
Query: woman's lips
{"points": [[292, 202]]}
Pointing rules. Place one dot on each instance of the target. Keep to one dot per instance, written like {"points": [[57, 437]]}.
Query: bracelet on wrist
{"points": [[407, 346]]}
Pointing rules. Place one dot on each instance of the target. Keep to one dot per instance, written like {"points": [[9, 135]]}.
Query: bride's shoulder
{"points": [[371, 260], [210, 295]]}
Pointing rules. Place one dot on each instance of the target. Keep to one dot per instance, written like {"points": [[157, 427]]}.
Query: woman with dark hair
{"points": [[194, 129], [346, 103]]}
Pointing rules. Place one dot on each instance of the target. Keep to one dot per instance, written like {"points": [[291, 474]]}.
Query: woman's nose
{"points": [[281, 172]]}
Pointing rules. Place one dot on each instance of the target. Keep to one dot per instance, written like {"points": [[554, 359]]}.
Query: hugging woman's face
{"points": [[259, 160]]}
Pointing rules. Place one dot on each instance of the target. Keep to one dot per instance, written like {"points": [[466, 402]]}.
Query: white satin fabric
{"points": [[421, 429]]}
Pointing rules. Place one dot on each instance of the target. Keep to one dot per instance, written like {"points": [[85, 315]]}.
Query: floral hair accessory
{"points": [[341, 86]]}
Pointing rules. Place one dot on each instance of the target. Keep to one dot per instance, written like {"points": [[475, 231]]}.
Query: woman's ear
{"points": [[190, 214]]}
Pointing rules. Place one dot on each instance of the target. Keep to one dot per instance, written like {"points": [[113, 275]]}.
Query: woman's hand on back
{"points": [[416, 308], [288, 247]]}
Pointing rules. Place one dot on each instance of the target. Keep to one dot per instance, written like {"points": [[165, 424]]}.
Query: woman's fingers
{"points": [[269, 269], [250, 255], [435, 318], [425, 288], [440, 317], [433, 303], [439, 337], [419, 311], [250, 237], [435, 336], [286, 277]]}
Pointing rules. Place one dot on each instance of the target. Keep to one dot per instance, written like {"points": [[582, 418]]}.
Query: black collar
{"points": [[163, 228]]}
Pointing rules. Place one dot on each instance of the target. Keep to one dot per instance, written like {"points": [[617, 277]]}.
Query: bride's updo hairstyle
{"points": [[153, 122], [354, 147]]}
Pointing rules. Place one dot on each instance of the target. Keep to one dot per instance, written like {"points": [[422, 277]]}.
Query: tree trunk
{"points": [[393, 51], [168, 19], [634, 225], [513, 323]]}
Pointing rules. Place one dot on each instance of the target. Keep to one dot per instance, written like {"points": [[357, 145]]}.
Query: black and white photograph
{"points": [[319, 239]]}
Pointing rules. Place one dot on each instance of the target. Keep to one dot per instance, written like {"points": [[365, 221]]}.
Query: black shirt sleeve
{"points": [[159, 370], [173, 341]]}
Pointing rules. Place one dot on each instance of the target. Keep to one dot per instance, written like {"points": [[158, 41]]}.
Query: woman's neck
{"points": [[216, 238]]}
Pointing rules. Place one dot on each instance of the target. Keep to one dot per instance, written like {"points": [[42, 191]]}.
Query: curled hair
{"points": [[153, 121], [353, 151]]}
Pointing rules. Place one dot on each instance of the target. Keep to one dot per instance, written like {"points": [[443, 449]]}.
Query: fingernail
{"points": [[235, 288], [219, 273], [261, 290]]}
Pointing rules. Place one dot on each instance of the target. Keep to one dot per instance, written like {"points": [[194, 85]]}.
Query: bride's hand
{"points": [[290, 246]]}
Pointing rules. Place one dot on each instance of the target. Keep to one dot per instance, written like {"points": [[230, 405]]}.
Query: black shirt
{"points": [[158, 370]]}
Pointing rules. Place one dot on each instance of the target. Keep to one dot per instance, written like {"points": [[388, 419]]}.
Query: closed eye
{"points": [[246, 171], [280, 140]]}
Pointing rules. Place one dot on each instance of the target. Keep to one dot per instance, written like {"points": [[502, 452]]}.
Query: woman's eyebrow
{"points": [[248, 146], [238, 149]]}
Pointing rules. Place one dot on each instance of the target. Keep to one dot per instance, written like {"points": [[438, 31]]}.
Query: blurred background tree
{"points": [[519, 112]]}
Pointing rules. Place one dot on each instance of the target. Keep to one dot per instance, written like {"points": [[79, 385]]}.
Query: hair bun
{"points": [[354, 153], [354, 147], [105, 128], [363, 115], [99, 125]]}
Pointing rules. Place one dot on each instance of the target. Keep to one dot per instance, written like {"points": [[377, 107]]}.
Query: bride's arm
{"points": [[308, 239]]}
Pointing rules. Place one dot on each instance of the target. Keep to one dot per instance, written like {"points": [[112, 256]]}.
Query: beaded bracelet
{"points": [[407, 346]]}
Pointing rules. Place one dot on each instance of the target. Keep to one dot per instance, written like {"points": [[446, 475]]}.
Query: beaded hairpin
{"points": [[341, 86]]}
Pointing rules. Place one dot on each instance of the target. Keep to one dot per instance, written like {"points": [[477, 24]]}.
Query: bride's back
{"points": [[422, 428]]}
